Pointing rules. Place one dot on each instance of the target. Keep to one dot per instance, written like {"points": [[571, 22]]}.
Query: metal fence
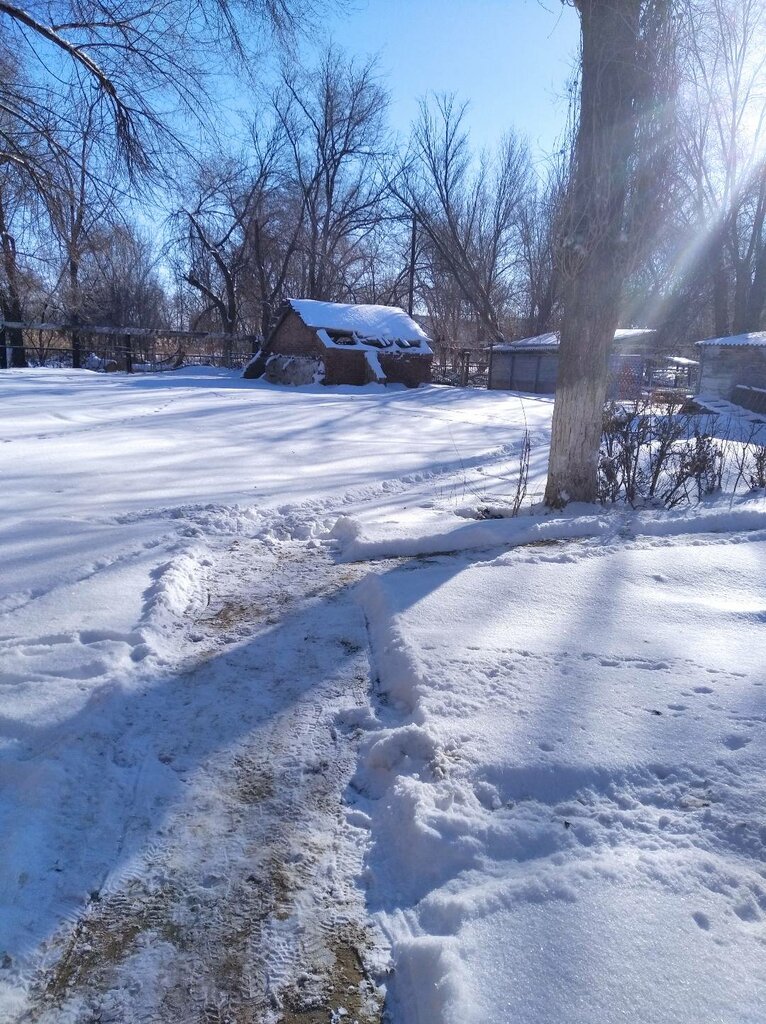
{"points": [[130, 350], [467, 369]]}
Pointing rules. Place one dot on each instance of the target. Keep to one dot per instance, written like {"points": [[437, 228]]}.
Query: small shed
{"points": [[532, 364], [730, 367], [337, 343]]}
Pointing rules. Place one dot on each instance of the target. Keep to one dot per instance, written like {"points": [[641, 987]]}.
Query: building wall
{"points": [[500, 373], [411, 370], [345, 366], [293, 338], [534, 372], [726, 366]]}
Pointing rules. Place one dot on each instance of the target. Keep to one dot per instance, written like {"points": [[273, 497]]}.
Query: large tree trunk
{"points": [[720, 297], [12, 310], [757, 300], [14, 336], [593, 255], [587, 336]]}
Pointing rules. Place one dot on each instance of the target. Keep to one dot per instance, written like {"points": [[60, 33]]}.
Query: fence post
{"points": [[3, 353], [128, 353]]}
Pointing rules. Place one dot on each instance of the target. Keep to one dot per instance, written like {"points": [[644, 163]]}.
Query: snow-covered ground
{"points": [[270, 752]]}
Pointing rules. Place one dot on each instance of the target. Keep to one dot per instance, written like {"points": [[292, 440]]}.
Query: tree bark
{"points": [[593, 253], [74, 311], [720, 297], [12, 309], [757, 300]]}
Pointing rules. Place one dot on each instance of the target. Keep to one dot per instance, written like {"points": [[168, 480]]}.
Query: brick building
{"points": [[337, 343]]}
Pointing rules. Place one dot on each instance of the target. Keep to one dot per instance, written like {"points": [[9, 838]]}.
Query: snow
{"points": [[756, 339], [427, 532], [734, 420], [384, 323], [681, 361], [374, 364], [286, 726], [162, 657], [632, 333], [566, 793]]}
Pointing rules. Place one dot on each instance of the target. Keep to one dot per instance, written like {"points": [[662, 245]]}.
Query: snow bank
{"points": [[430, 532]]}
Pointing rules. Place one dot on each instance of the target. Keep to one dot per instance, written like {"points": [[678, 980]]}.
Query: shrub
{"points": [[658, 457]]}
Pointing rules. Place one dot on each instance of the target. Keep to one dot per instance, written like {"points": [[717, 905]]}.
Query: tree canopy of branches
{"points": [[470, 211], [136, 59], [298, 208], [333, 119]]}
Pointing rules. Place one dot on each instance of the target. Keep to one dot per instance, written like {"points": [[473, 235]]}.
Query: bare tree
{"points": [[80, 205], [119, 279], [616, 73], [136, 57], [11, 289], [722, 136], [215, 244], [243, 231], [333, 119], [540, 225], [468, 209]]}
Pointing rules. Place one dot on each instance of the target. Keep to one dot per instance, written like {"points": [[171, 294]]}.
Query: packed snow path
{"points": [[219, 876]]}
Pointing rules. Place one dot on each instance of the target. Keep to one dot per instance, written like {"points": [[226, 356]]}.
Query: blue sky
{"points": [[511, 59]]}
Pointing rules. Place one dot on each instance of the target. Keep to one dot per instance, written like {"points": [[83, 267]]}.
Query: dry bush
{"points": [[751, 462], [664, 457]]}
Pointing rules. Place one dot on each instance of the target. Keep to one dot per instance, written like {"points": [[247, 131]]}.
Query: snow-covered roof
{"points": [[755, 340], [632, 333], [365, 324], [550, 341], [681, 361]]}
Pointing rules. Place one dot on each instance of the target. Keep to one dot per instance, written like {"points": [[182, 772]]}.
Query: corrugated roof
{"points": [[757, 339], [550, 342]]}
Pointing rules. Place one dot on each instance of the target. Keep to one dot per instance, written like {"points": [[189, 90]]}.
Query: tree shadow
{"points": [[593, 733], [95, 797]]}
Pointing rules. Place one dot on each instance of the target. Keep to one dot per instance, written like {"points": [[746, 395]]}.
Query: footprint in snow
{"points": [[736, 741]]}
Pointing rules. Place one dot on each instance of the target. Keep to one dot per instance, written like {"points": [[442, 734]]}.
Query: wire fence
{"points": [[464, 370], [110, 349]]}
